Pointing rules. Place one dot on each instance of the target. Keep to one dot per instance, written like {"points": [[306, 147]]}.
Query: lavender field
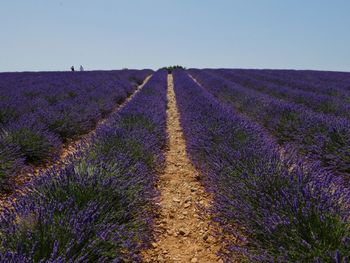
{"points": [[41, 111], [271, 149]]}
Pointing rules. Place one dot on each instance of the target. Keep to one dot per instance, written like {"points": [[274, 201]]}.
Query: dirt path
{"points": [[185, 234], [65, 154]]}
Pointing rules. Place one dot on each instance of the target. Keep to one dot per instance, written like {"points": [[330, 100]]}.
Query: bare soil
{"points": [[183, 232]]}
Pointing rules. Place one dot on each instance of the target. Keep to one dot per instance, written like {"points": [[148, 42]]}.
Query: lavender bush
{"points": [[318, 136], [317, 102], [329, 79], [40, 111], [34, 141], [334, 84], [279, 210], [98, 207], [10, 159]]}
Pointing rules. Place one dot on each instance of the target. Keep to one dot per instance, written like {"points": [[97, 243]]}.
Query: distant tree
{"points": [[171, 68]]}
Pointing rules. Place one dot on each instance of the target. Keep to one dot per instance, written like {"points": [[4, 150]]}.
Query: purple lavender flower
{"points": [[98, 207], [318, 136], [39, 111], [281, 209]]}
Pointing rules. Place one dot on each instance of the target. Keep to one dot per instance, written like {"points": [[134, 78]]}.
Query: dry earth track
{"points": [[185, 234]]}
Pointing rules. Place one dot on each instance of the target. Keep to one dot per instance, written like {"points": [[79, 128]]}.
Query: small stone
{"points": [[183, 232], [187, 205], [176, 200], [205, 237], [200, 223], [194, 260], [189, 198], [154, 244], [211, 239]]}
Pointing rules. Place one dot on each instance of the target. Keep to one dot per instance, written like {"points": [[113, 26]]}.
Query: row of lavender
{"points": [[40, 111], [96, 209], [316, 102], [334, 84], [278, 210], [333, 78], [329, 79], [317, 136]]}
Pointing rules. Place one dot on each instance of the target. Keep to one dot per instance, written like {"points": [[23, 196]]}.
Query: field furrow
{"points": [[199, 165], [183, 232]]}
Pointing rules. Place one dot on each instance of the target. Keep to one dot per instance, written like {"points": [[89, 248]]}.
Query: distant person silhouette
{"points": [[81, 68], [72, 68]]}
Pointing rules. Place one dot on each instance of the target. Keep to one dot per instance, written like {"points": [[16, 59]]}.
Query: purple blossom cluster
{"points": [[98, 208], [277, 208], [40, 111], [335, 84], [319, 137], [317, 102]]}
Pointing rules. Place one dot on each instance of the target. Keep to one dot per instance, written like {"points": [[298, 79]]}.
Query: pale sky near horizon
{"points": [[39, 35]]}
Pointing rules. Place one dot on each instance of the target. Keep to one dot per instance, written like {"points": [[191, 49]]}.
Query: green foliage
{"points": [[87, 191], [31, 94], [7, 114], [328, 107], [171, 68], [66, 127], [32, 145], [72, 94], [6, 166], [133, 121], [326, 236], [52, 100], [287, 126]]}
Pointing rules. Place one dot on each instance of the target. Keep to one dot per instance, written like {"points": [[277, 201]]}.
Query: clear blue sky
{"points": [[112, 34]]}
